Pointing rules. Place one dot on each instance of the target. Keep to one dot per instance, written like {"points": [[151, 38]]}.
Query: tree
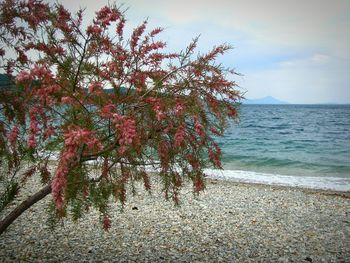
{"points": [[101, 101]]}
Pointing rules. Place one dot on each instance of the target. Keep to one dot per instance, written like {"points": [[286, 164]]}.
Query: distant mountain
{"points": [[265, 100]]}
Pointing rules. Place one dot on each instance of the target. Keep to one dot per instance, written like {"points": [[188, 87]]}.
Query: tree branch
{"points": [[20, 209]]}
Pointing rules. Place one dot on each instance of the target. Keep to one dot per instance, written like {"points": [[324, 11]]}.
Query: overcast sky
{"points": [[297, 51]]}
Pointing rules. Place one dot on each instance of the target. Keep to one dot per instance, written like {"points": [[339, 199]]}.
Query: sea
{"points": [[293, 145]]}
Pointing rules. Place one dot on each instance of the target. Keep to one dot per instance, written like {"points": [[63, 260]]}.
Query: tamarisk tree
{"points": [[108, 106]]}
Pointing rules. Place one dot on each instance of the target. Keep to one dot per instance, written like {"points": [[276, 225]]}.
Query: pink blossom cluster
{"points": [[49, 132], [38, 71], [156, 105], [215, 131], [73, 138], [107, 15], [94, 30], [110, 66], [33, 127], [96, 88], [179, 108], [77, 136], [127, 131], [106, 223], [107, 111], [22, 57], [33, 12], [193, 161], [46, 92], [46, 48], [153, 46], [198, 127], [13, 135], [214, 156], [47, 86], [155, 31], [163, 153], [136, 35], [120, 27], [67, 100], [60, 180], [198, 183], [119, 53], [62, 19], [180, 135], [24, 76], [138, 79]]}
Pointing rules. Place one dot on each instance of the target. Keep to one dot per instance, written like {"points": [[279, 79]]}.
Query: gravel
{"points": [[229, 222]]}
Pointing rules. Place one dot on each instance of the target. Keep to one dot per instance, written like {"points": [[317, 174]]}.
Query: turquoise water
{"points": [[298, 140]]}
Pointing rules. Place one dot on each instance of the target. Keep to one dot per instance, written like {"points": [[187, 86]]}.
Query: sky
{"points": [[296, 51]]}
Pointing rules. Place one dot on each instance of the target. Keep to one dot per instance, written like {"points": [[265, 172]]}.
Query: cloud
{"points": [[298, 50], [317, 78], [281, 22]]}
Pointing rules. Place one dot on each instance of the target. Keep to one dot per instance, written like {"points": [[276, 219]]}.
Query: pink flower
{"points": [[127, 131], [95, 86], [107, 111], [95, 29], [66, 100], [163, 153], [106, 223], [58, 184], [157, 108], [107, 15], [214, 156], [24, 76], [33, 126], [156, 31], [136, 34], [41, 71], [31, 141], [73, 138], [120, 28], [215, 131], [180, 136], [198, 184], [13, 135], [179, 108], [199, 127], [49, 132]]}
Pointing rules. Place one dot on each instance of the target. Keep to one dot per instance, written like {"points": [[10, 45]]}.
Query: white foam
{"points": [[324, 183]]}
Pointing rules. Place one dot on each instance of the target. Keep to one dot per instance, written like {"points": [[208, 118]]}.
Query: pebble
{"points": [[229, 222]]}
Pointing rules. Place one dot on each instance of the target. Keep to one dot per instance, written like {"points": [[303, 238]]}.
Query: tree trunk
{"points": [[23, 207]]}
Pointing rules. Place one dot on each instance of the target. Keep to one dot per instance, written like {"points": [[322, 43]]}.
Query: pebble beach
{"points": [[228, 222]]}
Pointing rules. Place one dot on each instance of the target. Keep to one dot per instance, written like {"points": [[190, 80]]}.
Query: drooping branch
{"points": [[20, 209]]}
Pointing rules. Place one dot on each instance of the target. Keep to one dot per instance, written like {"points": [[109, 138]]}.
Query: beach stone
{"points": [[266, 224]]}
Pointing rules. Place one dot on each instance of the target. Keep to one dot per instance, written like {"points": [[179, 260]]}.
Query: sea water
{"points": [[299, 145]]}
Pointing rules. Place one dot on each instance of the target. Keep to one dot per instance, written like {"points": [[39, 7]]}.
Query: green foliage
{"points": [[99, 195], [77, 207], [54, 218], [9, 193]]}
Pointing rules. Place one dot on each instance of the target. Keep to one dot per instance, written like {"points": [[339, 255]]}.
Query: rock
{"points": [[308, 259]]}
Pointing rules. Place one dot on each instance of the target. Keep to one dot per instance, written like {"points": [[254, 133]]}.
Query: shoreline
{"points": [[336, 184], [228, 222], [306, 190]]}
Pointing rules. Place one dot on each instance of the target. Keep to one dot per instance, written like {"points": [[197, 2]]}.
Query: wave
{"points": [[310, 182], [318, 166]]}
